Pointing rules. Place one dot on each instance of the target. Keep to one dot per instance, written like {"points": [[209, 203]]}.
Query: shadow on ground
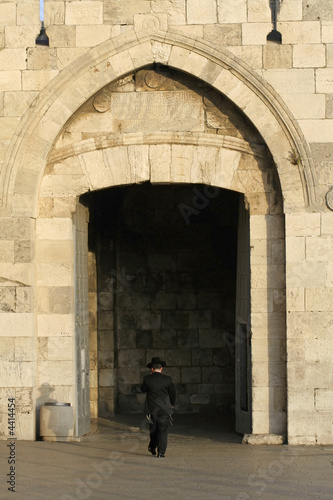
{"points": [[214, 427]]}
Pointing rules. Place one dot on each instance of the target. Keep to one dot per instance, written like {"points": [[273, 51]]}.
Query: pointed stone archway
{"points": [[27, 155], [183, 157], [26, 182]]}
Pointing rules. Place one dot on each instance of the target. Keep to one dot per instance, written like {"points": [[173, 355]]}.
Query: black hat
{"points": [[156, 361]]}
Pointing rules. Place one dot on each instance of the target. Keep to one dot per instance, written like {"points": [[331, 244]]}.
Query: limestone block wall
{"points": [[74, 27], [309, 239], [300, 70], [17, 345], [268, 324], [54, 311]]}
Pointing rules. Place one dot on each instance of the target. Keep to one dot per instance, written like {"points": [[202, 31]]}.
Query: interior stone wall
{"points": [[166, 261], [105, 324]]}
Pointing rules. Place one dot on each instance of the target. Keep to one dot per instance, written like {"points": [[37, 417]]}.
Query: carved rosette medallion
{"points": [[102, 102], [329, 199], [154, 80]]}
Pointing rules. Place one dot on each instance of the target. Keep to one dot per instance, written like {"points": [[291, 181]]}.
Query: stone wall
{"points": [[107, 283], [309, 239], [18, 348], [286, 90], [171, 278]]}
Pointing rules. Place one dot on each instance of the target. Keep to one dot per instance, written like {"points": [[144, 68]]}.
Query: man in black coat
{"points": [[160, 401]]}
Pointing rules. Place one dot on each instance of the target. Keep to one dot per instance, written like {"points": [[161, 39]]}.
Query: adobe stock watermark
{"points": [[11, 476], [104, 469], [100, 471], [231, 339], [119, 280], [200, 201], [268, 475], [257, 483]]}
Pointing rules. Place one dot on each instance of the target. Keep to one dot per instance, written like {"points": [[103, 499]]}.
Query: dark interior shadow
{"points": [[215, 427]]}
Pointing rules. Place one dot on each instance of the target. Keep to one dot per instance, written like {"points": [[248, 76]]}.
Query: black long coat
{"points": [[161, 394]]}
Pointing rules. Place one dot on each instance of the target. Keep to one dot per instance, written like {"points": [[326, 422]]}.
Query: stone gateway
{"points": [[166, 190]]}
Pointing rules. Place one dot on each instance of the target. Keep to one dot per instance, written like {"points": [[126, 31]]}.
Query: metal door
{"points": [[243, 403], [82, 411]]}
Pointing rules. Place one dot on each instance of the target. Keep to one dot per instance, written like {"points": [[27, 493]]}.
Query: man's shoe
{"points": [[161, 455], [151, 450]]}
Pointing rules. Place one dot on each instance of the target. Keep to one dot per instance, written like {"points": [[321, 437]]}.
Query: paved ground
{"points": [[202, 462]]}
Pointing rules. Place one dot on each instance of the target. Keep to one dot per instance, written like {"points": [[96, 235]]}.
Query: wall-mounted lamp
{"points": [[274, 36], [42, 38]]}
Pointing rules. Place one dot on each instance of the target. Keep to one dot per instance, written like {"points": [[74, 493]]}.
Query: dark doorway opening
{"points": [[164, 276]]}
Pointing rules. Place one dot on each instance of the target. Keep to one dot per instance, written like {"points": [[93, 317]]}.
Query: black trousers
{"points": [[159, 432]]}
